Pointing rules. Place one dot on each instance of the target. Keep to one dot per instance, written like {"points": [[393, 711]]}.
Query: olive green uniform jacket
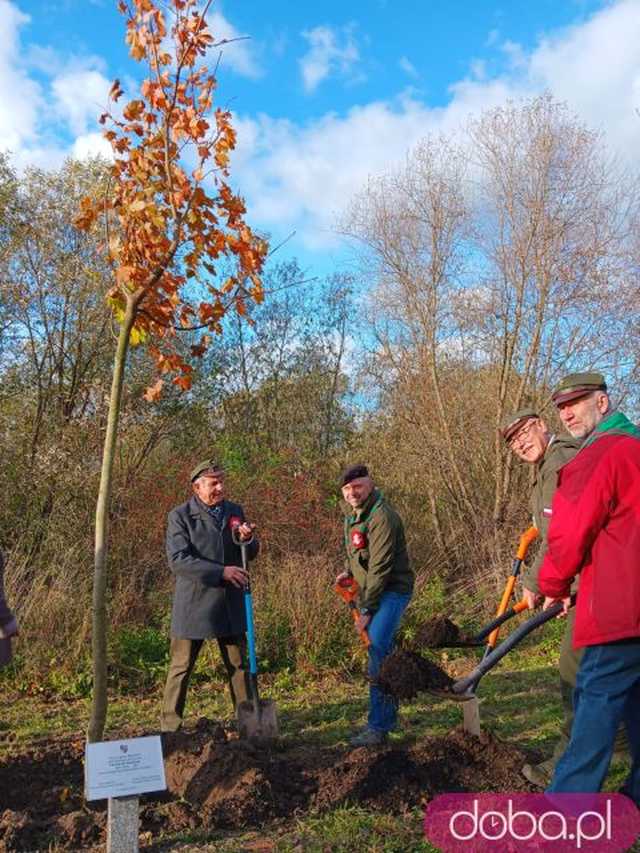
{"points": [[377, 551], [558, 453]]}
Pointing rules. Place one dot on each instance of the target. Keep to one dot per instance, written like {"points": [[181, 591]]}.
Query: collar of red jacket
{"points": [[615, 423]]}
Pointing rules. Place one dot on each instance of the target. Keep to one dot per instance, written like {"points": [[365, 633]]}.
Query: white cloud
{"points": [[91, 145], [408, 67], [478, 68], [80, 95], [329, 52], [303, 176], [21, 100], [237, 55], [50, 101], [43, 59], [595, 67], [70, 95]]}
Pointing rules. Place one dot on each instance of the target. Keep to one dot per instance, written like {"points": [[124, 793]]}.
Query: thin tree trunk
{"points": [[99, 622]]}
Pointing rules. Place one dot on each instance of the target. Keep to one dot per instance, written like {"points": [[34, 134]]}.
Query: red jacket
{"points": [[595, 532]]}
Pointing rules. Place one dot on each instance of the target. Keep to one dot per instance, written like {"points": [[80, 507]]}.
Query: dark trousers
{"points": [[568, 665], [184, 654], [607, 694]]}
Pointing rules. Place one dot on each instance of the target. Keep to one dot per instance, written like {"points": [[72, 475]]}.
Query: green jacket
{"points": [[377, 551], [558, 453]]}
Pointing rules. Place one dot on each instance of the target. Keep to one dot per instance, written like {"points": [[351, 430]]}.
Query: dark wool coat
{"points": [[204, 605]]}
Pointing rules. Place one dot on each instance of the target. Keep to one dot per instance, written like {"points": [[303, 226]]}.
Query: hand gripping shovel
{"points": [[347, 589], [256, 718]]}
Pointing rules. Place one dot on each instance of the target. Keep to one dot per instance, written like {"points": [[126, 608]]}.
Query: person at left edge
{"points": [[208, 598], [377, 558], [8, 624]]}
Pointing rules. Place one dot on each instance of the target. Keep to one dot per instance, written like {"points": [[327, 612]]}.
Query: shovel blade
{"points": [[258, 722]]}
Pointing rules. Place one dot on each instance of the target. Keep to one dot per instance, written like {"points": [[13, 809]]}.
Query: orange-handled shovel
{"points": [[526, 539], [347, 589]]}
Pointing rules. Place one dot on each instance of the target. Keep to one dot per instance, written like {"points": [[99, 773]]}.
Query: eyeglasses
{"points": [[522, 433]]}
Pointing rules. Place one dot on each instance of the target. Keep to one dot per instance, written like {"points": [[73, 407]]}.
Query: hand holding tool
{"points": [[347, 589]]}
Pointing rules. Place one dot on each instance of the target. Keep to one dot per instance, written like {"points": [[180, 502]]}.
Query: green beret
{"points": [[209, 465], [576, 385], [511, 423]]}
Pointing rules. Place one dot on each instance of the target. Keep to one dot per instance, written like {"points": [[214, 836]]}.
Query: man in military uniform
{"points": [[377, 558], [209, 595], [528, 436]]}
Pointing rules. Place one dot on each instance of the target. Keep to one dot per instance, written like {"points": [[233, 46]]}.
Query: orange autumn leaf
{"points": [[154, 392], [183, 382]]}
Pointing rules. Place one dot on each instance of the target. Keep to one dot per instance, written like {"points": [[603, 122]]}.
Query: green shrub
{"points": [[139, 658]]}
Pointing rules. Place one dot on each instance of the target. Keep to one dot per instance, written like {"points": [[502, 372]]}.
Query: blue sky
{"points": [[327, 95]]}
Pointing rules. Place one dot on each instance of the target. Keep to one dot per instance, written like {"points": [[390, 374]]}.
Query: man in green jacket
{"points": [[529, 438], [378, 560]]}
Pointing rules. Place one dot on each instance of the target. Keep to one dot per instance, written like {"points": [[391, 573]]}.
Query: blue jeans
{"points": [[607, 693], [383, 709]]}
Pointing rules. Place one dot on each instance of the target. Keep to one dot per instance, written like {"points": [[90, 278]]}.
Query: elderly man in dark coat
{"points": [[8, 624], [208, 599]]}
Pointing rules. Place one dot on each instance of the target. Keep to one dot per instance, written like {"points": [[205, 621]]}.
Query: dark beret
{"points": [[353, 472]]}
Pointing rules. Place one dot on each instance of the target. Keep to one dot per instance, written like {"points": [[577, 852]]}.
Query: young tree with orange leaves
{"points": [[169, 218]]}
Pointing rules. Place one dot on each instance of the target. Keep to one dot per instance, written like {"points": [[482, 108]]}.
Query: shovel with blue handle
{"points": [[257, 718]]}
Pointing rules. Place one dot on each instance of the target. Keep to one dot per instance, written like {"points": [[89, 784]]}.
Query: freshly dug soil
{"points": [[438, 632], [404, 674], [217, 781]]}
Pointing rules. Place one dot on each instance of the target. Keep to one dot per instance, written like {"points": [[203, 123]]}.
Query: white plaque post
{"points": [[119, 770], [123, 825]]}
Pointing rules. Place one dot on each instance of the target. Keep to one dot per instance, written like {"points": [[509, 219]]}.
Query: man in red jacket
{"points": [[595, 532]]}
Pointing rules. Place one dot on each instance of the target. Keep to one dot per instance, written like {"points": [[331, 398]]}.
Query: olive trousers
{"points": [[184, 654]]}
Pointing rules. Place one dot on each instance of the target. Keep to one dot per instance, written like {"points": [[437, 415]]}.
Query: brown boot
{"points": [[541, 774]]}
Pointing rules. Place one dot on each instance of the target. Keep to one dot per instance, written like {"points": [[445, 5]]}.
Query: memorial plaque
{"points": [[121, 768]]}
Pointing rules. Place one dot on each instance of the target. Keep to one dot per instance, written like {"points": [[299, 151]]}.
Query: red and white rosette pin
{"points": [[358, 540]]}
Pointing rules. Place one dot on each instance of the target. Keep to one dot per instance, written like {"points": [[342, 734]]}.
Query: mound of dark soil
{"points": [[404, 674], [216, 781], [437, 632], [398, 779], [238, 784]]}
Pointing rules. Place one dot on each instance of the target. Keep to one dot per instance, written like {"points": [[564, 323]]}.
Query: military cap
{"points": [[210, 466], [511, 423], [353, 472], [576, 385]]}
